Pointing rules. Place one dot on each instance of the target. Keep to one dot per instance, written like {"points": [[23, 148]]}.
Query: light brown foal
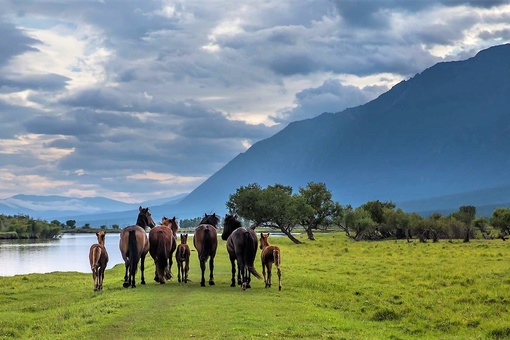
{"points": [[98, 257], [182, 256], [269, 255]]}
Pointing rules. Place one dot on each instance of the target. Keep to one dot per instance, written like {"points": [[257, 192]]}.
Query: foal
{"points": [[98, 257], [182, 257], [269, 255]]}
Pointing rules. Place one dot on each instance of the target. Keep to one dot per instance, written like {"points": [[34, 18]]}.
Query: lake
{"points": [[68, 253]]}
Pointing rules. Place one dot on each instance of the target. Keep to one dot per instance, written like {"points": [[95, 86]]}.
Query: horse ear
{"points": [[235, 216], [140, 208]]}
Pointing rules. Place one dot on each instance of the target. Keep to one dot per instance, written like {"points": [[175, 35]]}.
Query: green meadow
{"points": [[333, 288]]}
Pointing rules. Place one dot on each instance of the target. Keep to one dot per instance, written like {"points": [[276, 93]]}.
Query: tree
{"points": [[274, 206], [115, 226], [103, 227], [318, 197], [71, 224], [501, 220], [357, 221], [467, 214]]}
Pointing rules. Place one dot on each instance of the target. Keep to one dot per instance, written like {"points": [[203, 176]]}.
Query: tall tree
{"points": [[274, 206], [319, 198], [467, 214]]}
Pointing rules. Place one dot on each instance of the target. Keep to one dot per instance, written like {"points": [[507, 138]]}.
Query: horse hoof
{"points": [[279, 288], [248, 286], [233, 285], [126, 284], [143, 282], [211, 283], [202, 284]]}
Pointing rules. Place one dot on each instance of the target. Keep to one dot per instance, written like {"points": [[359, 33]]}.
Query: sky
{"points": [[140, 100]]}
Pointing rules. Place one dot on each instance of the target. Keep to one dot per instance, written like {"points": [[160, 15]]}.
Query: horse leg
{"points": [[186, 270], [211, 271], [170, 264], [101, 277], [94, 277], [269, 273], [142, 268], [179, 270], [279, 272], [202, 268], [233, 262], [264, 272], [126, 278]]}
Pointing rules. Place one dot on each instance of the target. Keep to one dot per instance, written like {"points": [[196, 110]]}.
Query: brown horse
{"points": [[162, 246], [182, 256], [270, 254], [241, 247], [206, 243], [98, 257], [134, 246]]}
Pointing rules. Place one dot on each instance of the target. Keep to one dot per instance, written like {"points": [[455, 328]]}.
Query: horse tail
{"points": [[181, 253], [250, 250], [276, 256], [161, 254], [206, 245], [133, 254], [95, 256]]}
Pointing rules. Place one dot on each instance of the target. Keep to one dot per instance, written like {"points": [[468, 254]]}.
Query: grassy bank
{"points": [[332, 288]]}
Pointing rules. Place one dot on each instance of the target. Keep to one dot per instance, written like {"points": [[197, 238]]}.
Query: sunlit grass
{"points": [[332, 288]]}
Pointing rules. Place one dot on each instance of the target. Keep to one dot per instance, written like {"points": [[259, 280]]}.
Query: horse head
{"points": [[263, 240], [145, 218], [211, 219], [230, 223], [184, 238], [100, 237]]}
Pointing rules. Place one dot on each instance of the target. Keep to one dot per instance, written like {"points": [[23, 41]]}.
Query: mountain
{"points": [[444, 132]]}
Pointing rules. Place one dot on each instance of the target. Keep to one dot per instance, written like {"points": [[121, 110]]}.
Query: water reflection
{"points": [[68, 253]]}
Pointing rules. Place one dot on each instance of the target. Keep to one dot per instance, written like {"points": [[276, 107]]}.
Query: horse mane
{"points": [[210, 219], [230, 223], [142, 220]]}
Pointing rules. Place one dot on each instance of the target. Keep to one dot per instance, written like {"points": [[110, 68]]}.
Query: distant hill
{"points": [[444, 132], [94, 210]]}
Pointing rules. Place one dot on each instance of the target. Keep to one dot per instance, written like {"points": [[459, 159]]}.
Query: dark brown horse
{"points": [[134, 246], [242, 247], [269, 255], [182, 257], [205, 241], [162, 246], [98, 257]]}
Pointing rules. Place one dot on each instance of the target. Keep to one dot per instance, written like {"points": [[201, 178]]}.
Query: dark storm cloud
{"points": [[43, 82], [331, 96], [13, 42]]}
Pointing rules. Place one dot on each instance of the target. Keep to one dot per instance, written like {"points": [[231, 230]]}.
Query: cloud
{"points": [[145, 99]]}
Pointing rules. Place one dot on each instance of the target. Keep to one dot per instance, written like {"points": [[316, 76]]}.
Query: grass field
{"points": [[332, 288]]}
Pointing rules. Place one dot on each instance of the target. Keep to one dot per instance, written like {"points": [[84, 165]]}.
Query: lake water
{"points": [[68, 253]]}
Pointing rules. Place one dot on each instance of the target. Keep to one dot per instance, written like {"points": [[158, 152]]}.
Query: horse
{"points": [[205, 241], [161, 247], [242, 247], [182, 257], [134, 246], [98, 257], [269, 255]]}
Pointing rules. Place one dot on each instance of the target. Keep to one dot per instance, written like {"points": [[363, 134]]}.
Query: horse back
{"points": [[141, 239], [270, 254]]}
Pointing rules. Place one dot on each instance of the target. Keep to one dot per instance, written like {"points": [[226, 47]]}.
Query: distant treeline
{"points": [[25, 227]]}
